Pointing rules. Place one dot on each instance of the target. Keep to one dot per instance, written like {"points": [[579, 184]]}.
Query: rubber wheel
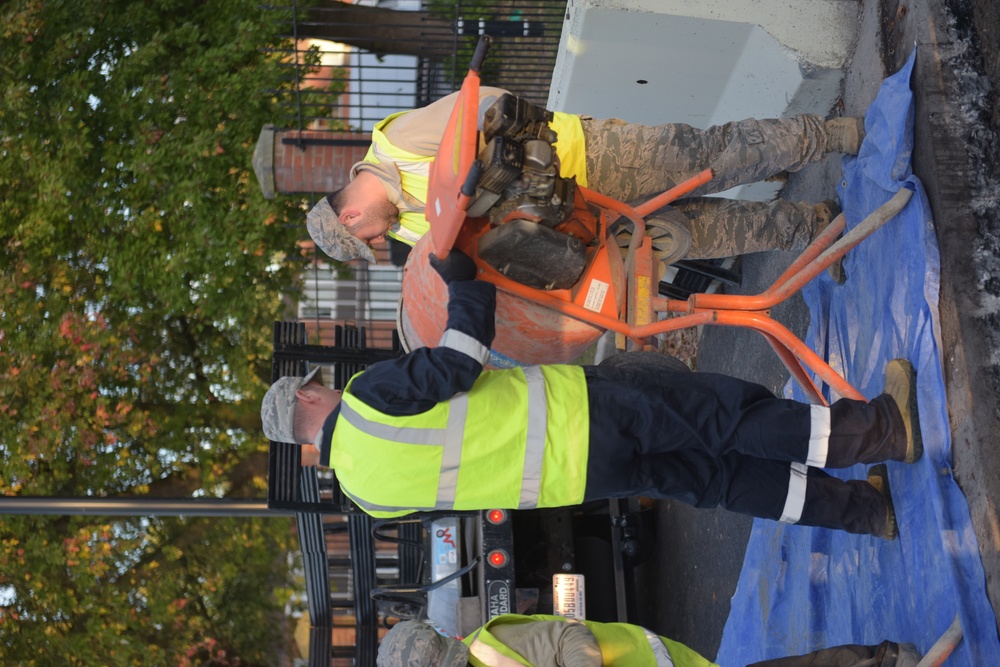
{"points": [[668, 231], [664, 361]]}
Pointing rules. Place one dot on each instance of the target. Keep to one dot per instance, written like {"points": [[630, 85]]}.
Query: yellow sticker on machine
{"points": [[642, 299]]}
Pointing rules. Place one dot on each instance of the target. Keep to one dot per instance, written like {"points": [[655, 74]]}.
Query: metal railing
{"points": [[291, 486], [352, 65]]}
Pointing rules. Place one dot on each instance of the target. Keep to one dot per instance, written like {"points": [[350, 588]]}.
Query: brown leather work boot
{"points": [[844, 135], [891, 654], [901, 385], [878, 476], [826, 211]]}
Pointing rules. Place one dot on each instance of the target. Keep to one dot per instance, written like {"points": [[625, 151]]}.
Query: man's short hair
{"points": [[336, 200], [277, 410], [325, 228], [300, 422]]}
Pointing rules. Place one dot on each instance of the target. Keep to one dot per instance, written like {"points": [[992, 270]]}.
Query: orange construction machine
{"points": [[546, 243]]}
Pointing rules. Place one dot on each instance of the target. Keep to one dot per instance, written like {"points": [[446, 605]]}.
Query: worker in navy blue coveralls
{"points": [[705, 439]]}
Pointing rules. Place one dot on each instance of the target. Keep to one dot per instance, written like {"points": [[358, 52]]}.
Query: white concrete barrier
{"points": [[703, 62]]}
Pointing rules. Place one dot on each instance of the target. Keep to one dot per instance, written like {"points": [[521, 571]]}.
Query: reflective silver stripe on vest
{"points": [[407, 436], [660, 652], [466, 344], [374, 507], [451, 457], [534, 454], [417, 167]]}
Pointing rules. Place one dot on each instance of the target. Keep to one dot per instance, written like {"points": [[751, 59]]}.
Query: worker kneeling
{"points": [[513, 640], [432, 430]]}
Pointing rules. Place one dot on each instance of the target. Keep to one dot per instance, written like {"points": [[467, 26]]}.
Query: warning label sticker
{"points": [[596, 294]]}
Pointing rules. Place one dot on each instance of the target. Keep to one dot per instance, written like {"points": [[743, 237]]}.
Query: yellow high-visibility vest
{"points": [[622, 645], [519, 439], [414, 169]]}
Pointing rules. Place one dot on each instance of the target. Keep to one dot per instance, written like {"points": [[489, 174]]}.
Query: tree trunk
{"points": [[179, 484], [241, 478], [379, 30]]}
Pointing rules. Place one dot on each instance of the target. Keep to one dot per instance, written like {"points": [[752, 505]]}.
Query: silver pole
{"points": [[137, 506]]}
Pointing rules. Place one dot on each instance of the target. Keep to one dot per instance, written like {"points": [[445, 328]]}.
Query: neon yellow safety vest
{"points": [[622, 645], [518, 439], [414, 169]]}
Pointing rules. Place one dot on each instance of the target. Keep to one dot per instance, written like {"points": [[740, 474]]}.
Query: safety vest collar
{"points": [[326, 436], [404, 233]]}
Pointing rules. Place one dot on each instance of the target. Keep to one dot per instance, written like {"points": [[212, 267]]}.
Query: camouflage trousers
{"points": [[632, 162]]}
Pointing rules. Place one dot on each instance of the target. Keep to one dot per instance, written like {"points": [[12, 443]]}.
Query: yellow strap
{"points": [[571, 147]]}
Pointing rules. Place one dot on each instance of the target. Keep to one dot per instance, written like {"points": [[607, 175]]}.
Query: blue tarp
{"points": [[803, 588]]}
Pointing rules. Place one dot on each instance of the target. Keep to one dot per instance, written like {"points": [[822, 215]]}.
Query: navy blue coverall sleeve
{"points": [[417, 381]]}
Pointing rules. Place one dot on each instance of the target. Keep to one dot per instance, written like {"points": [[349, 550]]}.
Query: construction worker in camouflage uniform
{"points": [[513, 640], [625, 161]]}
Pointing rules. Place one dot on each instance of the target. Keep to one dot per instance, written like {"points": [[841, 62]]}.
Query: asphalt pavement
{"points": [[693, 573]]}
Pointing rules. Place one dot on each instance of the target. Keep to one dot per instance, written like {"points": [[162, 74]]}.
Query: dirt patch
{"points": [[986, 18], [892, 17], [682, 344], [976, 27]]}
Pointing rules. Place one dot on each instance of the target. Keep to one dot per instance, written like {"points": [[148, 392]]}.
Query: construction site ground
{"points": [[687, 583]]}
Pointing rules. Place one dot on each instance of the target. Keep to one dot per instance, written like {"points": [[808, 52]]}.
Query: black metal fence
{"points": [[315, 496], [353, 65]]}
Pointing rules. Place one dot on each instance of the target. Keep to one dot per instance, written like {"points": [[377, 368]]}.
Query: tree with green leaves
{"points": [[140, 275]]}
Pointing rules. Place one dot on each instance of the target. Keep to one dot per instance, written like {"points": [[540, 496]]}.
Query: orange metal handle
{"points": [[676, 192], [638, 214]]}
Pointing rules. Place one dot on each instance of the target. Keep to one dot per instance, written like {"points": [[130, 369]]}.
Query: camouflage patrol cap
{"points": [[416, 644], [277, 410], [332, 237]]}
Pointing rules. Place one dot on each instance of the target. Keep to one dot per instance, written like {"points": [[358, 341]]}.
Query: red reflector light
{"points": [[497, 558], [496, 516]]}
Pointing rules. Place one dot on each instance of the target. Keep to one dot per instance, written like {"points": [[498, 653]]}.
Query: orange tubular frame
{"points": [[446, 213], [737, 310]]}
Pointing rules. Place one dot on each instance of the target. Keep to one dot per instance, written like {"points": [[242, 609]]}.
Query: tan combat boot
{"points": [[901, 385], [844, 135], [826, 211], [878, 476]]}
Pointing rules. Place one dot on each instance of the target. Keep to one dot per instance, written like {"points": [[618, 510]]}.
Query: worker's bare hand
{"points": [[456, 266], [309, 455]]}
